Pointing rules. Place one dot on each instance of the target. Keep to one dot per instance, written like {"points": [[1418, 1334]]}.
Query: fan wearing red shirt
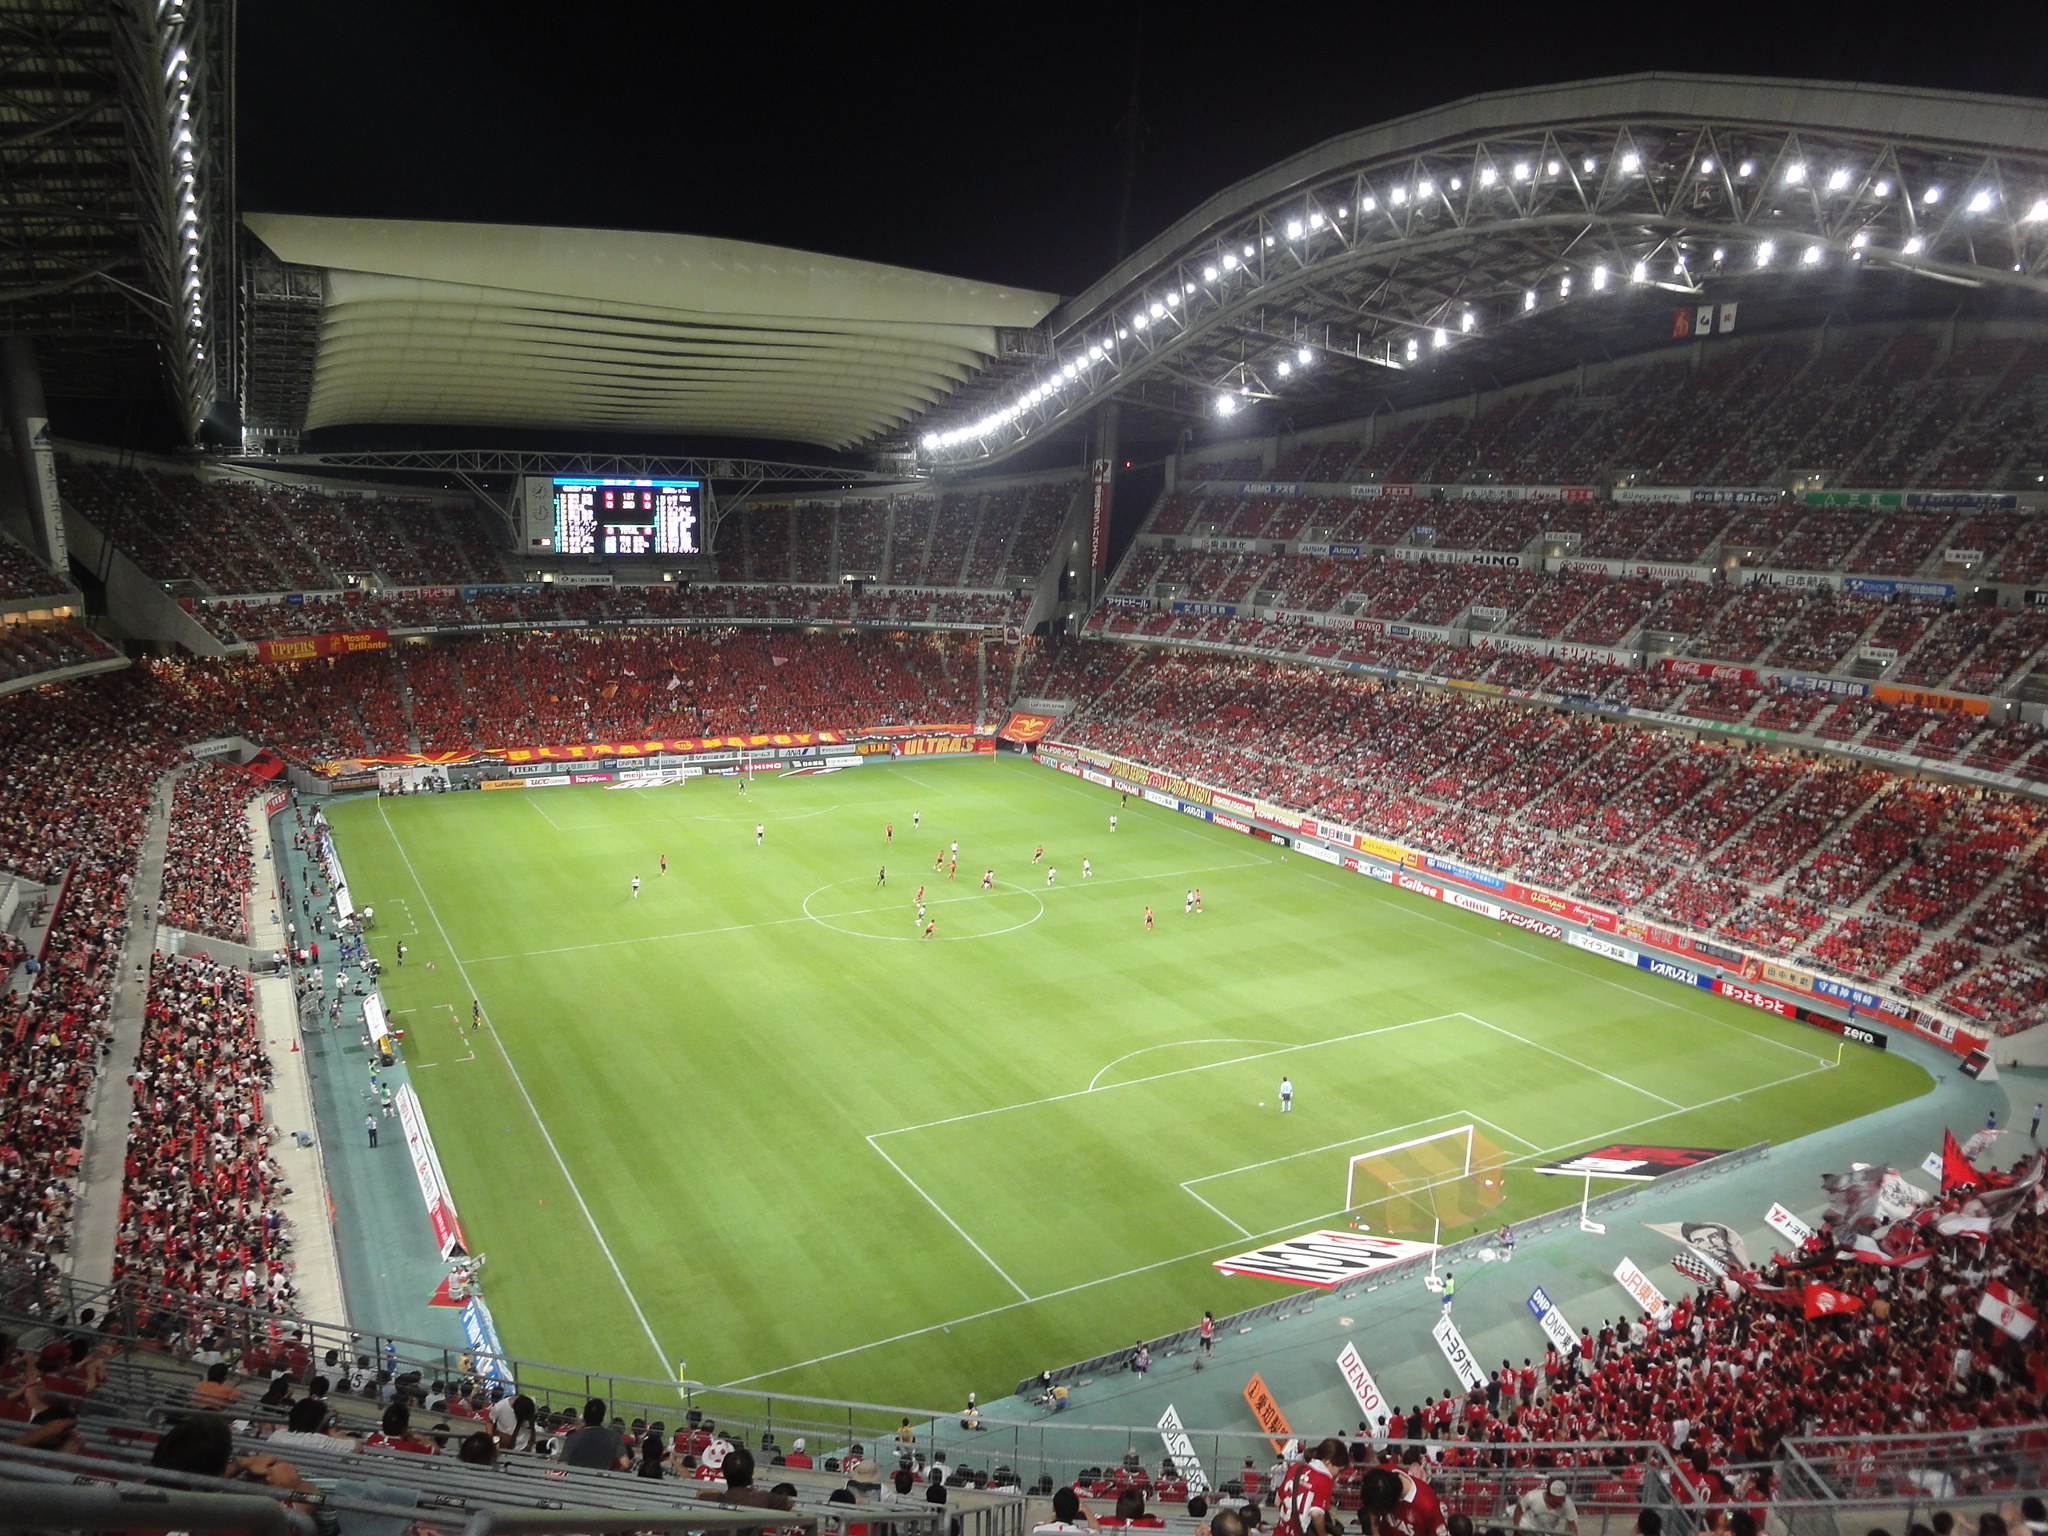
{"points": [[1399, 1505], [1308, 1489]]}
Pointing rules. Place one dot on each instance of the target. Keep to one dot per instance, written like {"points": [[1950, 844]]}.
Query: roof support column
{"points": [[1101, 496], [28, 423]]}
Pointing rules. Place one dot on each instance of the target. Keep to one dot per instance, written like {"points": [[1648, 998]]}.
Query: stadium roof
{"points": [[1513, 234], [519, 326]]}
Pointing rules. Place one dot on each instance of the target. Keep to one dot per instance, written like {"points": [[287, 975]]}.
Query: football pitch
{"points": [[753, 1119]]}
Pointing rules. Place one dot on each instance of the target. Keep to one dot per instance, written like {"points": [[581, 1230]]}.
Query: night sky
{"points": [[981, 141]]}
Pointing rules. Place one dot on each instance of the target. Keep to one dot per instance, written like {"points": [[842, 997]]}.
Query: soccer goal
{"points": [[1446, 1178]]}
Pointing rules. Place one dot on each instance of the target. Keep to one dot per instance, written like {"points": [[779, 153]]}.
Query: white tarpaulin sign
{"points": [[1637, 1284], [1458, 1352], [1552, 1321], [1372, 1406], [1781, 1220], [1181, 1452], [1322, 1258]]}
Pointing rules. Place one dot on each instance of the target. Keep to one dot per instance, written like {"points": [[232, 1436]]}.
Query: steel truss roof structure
{"points": [[1483, 239], [522, 461], [114, 144]]}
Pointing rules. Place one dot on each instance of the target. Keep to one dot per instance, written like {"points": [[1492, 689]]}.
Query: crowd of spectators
{"points": [[23, 575], [207, 867], [198, 1204], [27, 649]]}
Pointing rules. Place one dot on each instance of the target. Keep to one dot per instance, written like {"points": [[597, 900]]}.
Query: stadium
{"points": [[488, 1048]]}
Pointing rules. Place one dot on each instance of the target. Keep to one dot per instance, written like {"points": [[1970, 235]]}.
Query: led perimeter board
{"points": [[626, 517]]}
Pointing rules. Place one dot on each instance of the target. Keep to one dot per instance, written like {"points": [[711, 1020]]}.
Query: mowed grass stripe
{"points": [[710, 1062]]}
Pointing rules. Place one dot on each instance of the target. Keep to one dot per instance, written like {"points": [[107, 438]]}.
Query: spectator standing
{"points": [[370, 1125], [596, 1446]]}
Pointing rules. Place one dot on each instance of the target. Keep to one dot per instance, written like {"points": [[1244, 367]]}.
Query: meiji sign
{"points": [[1372, 1403], [1181, 1452], [1637, 1284]]}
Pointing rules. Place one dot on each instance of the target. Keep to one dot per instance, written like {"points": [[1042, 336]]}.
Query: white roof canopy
{"points": [[520, 326]]}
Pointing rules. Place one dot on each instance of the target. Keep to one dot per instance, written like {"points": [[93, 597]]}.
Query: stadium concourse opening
{"points": [[792, 923]]}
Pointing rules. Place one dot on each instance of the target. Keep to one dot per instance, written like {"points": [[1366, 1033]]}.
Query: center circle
{"points": [[894, 919]]}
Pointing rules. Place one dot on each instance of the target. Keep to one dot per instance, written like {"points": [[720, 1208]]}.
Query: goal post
{"points": [[1449, 1176]]}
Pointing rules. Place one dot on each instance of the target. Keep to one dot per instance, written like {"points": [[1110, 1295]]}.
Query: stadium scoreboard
{"points": [[627, 517]]}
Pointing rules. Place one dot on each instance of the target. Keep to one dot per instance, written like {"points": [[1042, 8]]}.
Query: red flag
{"points": [[1956, 1169], [1869, 1251], [2008, 1309], [443, 1296], [1825, 1301]]}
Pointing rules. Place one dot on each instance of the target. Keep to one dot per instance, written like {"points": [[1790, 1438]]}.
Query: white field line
{"points": [[1170, 1044], [928, 1200], [1011, 1306], [1188, 1187], [1619, 1082], [519, 1082]]}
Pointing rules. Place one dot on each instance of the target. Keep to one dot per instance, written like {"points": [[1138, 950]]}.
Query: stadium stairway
{"points": [[96, 1221], [1295, 1353]]}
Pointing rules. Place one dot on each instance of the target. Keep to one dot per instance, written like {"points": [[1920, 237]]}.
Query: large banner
{"points": [[1322, 1258], [312, 647], [1098, 515], [426, 1167], [1026, 728]]}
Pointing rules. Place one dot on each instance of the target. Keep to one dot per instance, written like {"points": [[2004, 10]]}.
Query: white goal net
{"points": [[1450, 1177]]}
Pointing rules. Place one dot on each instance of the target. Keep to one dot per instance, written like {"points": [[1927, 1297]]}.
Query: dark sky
{"points": [[977, 140]]}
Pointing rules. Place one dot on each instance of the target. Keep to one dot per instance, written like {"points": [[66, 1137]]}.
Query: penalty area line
{"points": [[928, 1200], [532, 1109]]}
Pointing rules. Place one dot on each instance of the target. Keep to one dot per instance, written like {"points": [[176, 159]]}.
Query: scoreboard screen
{"points": [[626, 517]]}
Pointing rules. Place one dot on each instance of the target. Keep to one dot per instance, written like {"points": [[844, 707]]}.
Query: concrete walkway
{"points": [[96, 1219]]}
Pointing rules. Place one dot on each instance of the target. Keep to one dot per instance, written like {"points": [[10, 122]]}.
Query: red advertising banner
{"points": [[312, 647], [1098, 515], [1710, 671], [1026, 728]]}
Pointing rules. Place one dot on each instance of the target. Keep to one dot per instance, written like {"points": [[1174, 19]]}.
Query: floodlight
{"points": [[1370, 204], [1931, 196], [1425, 189], [1249, 253], [1591, 163], [1140, 320], [1467, 321], [1678, 267], [1173, 300], [1631, 163], [1860, 239], [1294, 229], [1981, 203], [1795, 173], [1640, 272], [1343, 213], [1765, 251], [1398, 196], [1707, 166], [1229, 265], [1285, 368], [1600, 277], [1157, 311], [1269, 242], [1521, 170], [1747, 168], [1810, 256], [1564, 286], [1529, 299], [1414, 349], [1719, 254], [1457, 184], [1315, 221], [1554, 167], [1226, 406], [1190, 290], [1488, 176], [1440, 340], [1837, 179], [1914, 246], [1122, 334], [2038, 212], [1304, 357], [1882, 189]]}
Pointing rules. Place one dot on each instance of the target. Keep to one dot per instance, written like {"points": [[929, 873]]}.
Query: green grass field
{"points": [[750, 1119]]}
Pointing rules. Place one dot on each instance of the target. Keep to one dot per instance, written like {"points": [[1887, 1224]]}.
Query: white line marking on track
{"points": [[1011, 1306], [519, 1082], [928, 1200]]}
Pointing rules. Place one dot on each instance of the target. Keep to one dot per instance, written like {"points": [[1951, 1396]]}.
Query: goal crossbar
{"points": [[1351, 1167]]}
